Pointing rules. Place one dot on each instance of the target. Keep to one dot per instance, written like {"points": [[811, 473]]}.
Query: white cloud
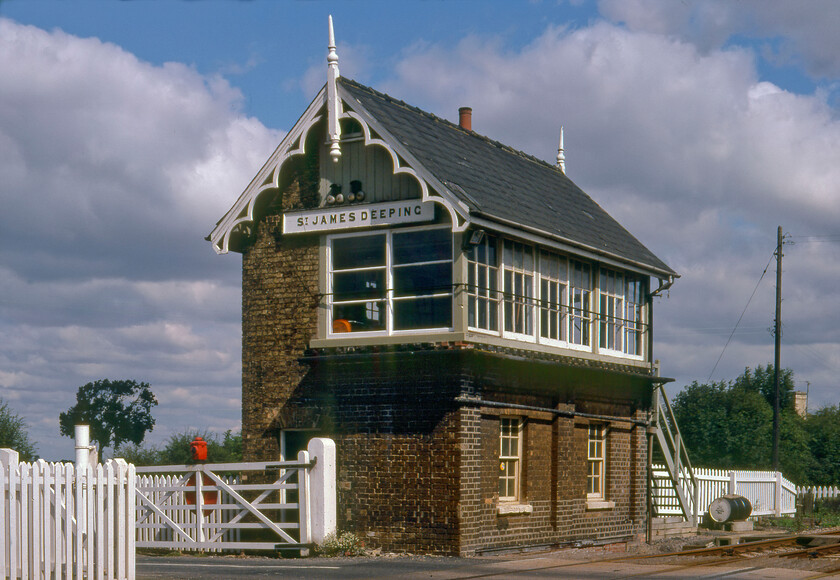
{"points": [[113, 171], [793, 32]]}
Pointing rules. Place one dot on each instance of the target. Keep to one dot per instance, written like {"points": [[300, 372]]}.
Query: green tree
{"points": [[14, 434], [729, 425], [117, 412], [762, 380], [724, 427], [823, 428]]}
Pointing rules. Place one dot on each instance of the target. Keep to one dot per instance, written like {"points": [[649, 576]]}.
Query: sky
{"points": [[127, 129]]}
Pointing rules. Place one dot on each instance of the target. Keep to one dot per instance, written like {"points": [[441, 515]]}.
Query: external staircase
{"points": [[680, 488]]}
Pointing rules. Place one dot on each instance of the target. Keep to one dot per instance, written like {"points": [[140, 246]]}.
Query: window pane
{"points": [[423, 246], [358, 285], [358, 252], [427, 279], [362, 317], [423, 313], [529, 259]]}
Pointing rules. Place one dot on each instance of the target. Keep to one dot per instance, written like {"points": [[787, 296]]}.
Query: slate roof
{"points": [[501, 184]]}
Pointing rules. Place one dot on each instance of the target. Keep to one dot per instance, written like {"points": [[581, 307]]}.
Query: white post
{"points": [[777, 501], [323, 488], [304, 501], [733, 483], [82, 446], [82, 464], [9, 457]]}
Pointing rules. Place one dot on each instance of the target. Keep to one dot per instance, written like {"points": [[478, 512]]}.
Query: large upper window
{"points": [[518, 291], [518, 267], [634, 325], [483, 285], [393, 281], [553, 296], [620, 312], [612, 310], [580, 314]]}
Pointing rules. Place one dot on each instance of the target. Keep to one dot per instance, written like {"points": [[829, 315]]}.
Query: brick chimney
{"points": [[465, 118]]}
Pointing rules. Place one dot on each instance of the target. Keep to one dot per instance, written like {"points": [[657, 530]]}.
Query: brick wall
{"points": [[554, 474], [396, 427], [279, 316]]}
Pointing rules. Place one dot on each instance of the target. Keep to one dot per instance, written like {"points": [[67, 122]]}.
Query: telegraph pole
{"points": [[777, 331]]}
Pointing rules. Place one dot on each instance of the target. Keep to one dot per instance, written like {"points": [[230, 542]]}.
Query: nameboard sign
{"points": [[359, 216]]}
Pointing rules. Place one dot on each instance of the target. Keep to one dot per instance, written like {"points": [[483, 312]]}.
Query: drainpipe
{"points": [[663, 286]]}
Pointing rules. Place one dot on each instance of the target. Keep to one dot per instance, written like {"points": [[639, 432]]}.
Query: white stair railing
{"points": [[677, 464]]}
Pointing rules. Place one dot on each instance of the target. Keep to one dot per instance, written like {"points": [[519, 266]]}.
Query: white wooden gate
{"points": [[57, 521], [266, 505]]}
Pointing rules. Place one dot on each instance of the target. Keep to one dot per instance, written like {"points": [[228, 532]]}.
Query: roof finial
{"points": [[333, 102], [561, 154], [332, 57]]}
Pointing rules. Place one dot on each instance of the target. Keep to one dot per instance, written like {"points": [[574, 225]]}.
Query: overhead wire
{"points": [[742, 315]]}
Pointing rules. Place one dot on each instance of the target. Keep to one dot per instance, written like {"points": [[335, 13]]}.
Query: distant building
{"points": [[471, 328], [800, 403]]}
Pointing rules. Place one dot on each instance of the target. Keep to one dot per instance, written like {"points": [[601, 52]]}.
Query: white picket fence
{"points": [[769, 492], [819, 491], [62, 522]]}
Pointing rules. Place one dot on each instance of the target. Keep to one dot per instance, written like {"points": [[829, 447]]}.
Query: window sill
{"points": [[512, 508], [599, 504]]}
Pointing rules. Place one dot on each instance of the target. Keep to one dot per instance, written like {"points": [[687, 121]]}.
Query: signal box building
{"points": [[469, 326]]}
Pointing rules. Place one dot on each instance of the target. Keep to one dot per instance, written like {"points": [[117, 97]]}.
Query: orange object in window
{"points": [[341, 325]]}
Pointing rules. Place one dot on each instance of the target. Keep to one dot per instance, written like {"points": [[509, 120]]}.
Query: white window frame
{"points": [[522, 298], [596, 462], [624, 314], [584, 313], [389, 298], [635, 325], [611, 322], [513, 436], [548, 311], [487, 297]]}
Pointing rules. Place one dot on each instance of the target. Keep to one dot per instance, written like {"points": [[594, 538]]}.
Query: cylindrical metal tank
{"points": [[730, 508]]}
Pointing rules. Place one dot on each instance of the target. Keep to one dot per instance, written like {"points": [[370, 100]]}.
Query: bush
{"points": [[14, 433], [346, 544], [176, 451]]}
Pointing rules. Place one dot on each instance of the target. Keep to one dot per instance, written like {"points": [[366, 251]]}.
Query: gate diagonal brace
{"points": [[245, 504]]}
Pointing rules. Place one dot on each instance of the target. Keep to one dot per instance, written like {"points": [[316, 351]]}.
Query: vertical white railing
{"points": [[769, 492], [57, 521]]}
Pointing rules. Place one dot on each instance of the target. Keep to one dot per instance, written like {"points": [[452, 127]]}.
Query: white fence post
{"points": [[777, 495], [9, 457], [733, 483], [322, 487], [304, 499]]}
